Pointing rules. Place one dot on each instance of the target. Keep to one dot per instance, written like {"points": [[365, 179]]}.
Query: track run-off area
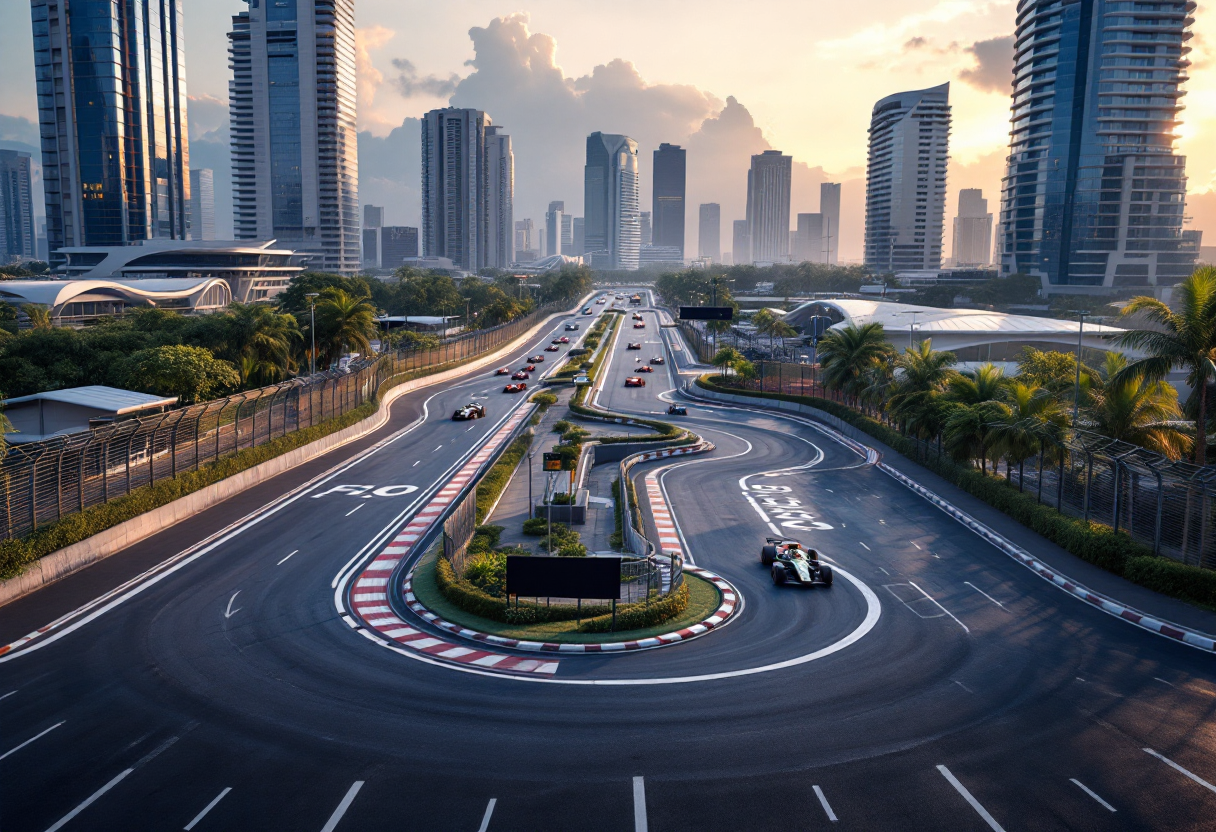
{"points": [[206, 679]]}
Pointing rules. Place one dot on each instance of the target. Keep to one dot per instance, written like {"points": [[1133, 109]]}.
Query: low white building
{"points": [[79, 302], [63, 412]]}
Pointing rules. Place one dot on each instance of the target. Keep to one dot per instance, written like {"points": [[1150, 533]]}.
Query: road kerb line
{"points": [[827, 807], [1091, 793], [1181, 770], [485, 819], [88, 801], [975, 804], [336, 817], [207, 809], [15, 749], [640, 823]]}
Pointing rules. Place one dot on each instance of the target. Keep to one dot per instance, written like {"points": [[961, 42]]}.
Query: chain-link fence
{"points": [[1164, 504], [664, 571], [44, 481]]}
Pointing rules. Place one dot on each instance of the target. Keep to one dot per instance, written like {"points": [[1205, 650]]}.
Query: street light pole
{"points": [[312, 329], [1076, 397]]}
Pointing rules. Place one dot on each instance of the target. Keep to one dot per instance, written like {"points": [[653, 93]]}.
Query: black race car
{"points": [[658, 359], [469, 411], [633, 345], [790, 562], [677, 410]]}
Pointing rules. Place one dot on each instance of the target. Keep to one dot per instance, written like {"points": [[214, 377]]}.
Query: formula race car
{"points": [[531, 368], [469, 411], [789, 562], [556, 341], [602, 301], [634, 381], [677, 410], [640, 325], [515, 388], [658, 359], [503, 371], [645, 368], [552, 348], [634, 345], [572, 327], [563, 340], [587, 311], [637, 316], [536, 359], [520, 376]]}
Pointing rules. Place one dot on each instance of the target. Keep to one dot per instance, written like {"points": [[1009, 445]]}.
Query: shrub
{"points": [[488, 572], [536, 526], [1188, 583], [641, 614], [561, 426], [544, 399]]}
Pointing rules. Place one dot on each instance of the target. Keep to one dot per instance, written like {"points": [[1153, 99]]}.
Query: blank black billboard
{"points": [[707, 313], [564, 577]]}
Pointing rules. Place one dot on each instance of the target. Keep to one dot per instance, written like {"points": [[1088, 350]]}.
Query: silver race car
{"points": [[790, 562]]}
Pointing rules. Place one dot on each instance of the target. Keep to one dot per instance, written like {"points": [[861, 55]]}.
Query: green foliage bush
{"points": [[561, 426], [641, 614], [536, 526], [496, 479]]}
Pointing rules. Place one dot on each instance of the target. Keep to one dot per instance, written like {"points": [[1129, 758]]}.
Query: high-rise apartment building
{"points": [[809, 240], [567, 233], [111, 82], [709, 232], [829, 206], [612, 227], [667, 196], [972, 230], [373, 223], [1094, 192], [553, 228], [454, 186], [295, 160], [524, 231], [646, 229], [906, 180], [500, 199], [741, 242], [577, 236], [397, 244], [18, 240], [768, 206], [202, 204]]}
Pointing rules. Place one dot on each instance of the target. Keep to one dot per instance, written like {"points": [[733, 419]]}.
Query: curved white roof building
{"points": [[75, 302]]}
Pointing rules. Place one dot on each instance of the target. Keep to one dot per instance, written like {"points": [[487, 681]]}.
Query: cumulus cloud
{"points": [[368, 79], [410, 85], [993, 70]]}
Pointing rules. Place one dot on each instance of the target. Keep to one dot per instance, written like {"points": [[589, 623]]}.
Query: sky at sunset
{"points": [[724, 79]]}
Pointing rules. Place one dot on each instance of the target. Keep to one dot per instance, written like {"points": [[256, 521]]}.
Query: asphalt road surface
{"points": [[937, 685]]}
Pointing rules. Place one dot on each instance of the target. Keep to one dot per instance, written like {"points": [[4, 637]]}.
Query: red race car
{"points": [[552, 349], [639, 325], [520, 376], [503, 371], [515, 388], [531, 368], [634, 381], [645, 368], [536, 359], [658, 359], [563, 340]]}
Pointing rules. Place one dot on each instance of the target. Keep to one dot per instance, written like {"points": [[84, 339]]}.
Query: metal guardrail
{"points": [[44, 481]]}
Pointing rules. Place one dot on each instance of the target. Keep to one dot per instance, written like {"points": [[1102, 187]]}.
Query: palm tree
{"points": [[348, 321], [1185, 339], [779, 329], [1034, 417], [40, 316], [986, 383], [260, 341], [1133, 409], [922, 372], [845, 355], [966, 429], [726, 358], [875, 385]]}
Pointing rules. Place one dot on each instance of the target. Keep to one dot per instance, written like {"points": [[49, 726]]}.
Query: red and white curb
{"points": [[669, 538], [728, 607], [1194, 638], [369, 592]]}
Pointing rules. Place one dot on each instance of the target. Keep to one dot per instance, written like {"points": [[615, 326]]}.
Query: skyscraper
{"points": [[612, 227], [17, 235], [829, 206], [111, 80], [577, 234], [645, 228], [906, 180], [709, 232], [741, 243], [373, 225], [553, 228], [1094, 193], [454, 188], [500, 199], [523, 236], [397, 243], [295, 161], [202, 204], [768, 206], [972, 229], [808, 239], [667, 196], [567, 233]]}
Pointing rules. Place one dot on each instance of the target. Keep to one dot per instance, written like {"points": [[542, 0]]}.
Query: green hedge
{"points": [[18, 553], [1096, 543], [472, 600], [641, 614], [496, 479]]}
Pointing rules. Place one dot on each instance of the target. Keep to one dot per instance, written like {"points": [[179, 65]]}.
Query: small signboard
{"points": [[552, 462], [707, 313], [582, 379], [538, 577]]}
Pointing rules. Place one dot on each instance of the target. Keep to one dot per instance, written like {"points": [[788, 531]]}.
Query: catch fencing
{"points": [[46, 480], [651, 564], [1165, 504]]}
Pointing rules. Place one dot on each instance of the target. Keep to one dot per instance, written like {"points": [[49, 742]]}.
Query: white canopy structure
{"points": [[79, 301]]}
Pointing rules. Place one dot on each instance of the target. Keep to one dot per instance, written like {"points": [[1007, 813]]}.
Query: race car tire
{"points": [[779, 575], [825, 574], [767, 553]]}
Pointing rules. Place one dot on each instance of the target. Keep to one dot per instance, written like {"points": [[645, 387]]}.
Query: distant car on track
{"points": [[640, 325], [530, 368], [469, 411], [677, 410], [633, 345], [563, 340], [537, 358], [658, 359], [602, 301], [552, 348], [503, 371], [515, 388], [789, 562], [556, 341], [634, 381], [587, 311], [645, 368], [521, 375], [571, 327]]}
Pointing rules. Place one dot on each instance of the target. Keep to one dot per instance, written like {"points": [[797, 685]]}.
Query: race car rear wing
{"points": [[780, 540]]}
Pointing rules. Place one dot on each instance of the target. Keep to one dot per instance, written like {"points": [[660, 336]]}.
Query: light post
{"points": [[312, 329], [1076, 393], [531, 453], [912, 328]]}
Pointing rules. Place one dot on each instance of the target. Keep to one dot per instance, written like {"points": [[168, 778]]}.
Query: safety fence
{"points": [[46, 480], [1166, 504]]}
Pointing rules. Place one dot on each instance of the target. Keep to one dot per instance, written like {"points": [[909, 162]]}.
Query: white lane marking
{"points": [[342, 807], [985, 594], [885, 572], [1091, 793], [961, 685], [284, 560], [639, 805], [437, 448], [940, 607], [7, 695], [415, 463], [485, 819], [1181, 770], [975, 804], [356, 508], [30, 740], [89, 801], [917, 545], [864, 546], [206, 809], [1155, 678], [228, 613], [823, 801], [470, 428]]}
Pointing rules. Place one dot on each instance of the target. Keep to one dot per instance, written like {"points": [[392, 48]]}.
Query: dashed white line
{"points": [[356, 508], [206, 809], [7, 695], [917, 545], [437, 448], [342, 807], [89, 801], [485, 820], [961, 685], [823, 801], [15, 749], [639, 805], [864, 546], [985, 594], [975, 804], [415, 464], [1155, 679], [940, 607], [284, 560], [1181, 770], [1090, 792]]}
